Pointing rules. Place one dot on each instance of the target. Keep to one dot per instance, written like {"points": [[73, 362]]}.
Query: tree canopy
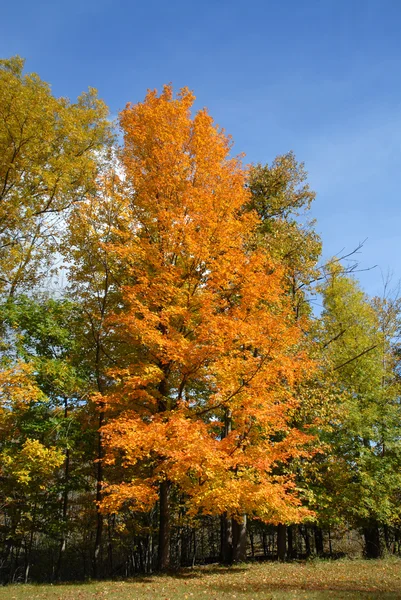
{"points": [[177, 390]]}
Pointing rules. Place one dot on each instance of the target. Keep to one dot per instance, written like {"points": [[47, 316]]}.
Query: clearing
{"points": [[315, 579]]}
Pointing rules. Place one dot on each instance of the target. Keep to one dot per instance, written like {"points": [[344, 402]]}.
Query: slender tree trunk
{"points": [[226, 547], [64, 508], [387, 538], [252, 541], [163, 563], [281, 541], [292, 542], [101, 386], [304, 531], [110, 527], [307, 541], [29, 545], [264, 543], [319, 540], [239, 540], [99, 486], [184, 547], [195, 548], [330, 544]]}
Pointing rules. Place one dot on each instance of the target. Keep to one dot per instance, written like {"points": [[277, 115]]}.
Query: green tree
{"points": [[43, 384], [282, 199], [360, 363]]}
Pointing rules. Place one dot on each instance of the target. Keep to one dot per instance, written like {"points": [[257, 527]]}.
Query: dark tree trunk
{"points": [[194, 548], [304, 531], [63, 539], [330, 544], [264, 543], [110, 523], [163, 559], [319, 541], [64, 509], [292, 547], [99, 485], [185, 546], [281, 541], [226, 524], [372, 541], [226, 547], [251, 539], [389, 545], [98, 332], [239, 540]]}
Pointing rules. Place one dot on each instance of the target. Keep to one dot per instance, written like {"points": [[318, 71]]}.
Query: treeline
{"points": [[169, 393]]}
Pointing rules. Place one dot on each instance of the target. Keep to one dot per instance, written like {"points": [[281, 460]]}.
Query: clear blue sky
{"points": [[320, 77]]}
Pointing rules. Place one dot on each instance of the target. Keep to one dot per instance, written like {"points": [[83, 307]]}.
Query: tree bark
{"points": [[372, 541], [226, 546], [226, 523], [99, 485], [239, 539], [163, 559], [64, 509], [292, 542], [319, 541], [304, 531], [281, 541]]}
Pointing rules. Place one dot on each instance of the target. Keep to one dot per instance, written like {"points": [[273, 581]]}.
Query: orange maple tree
{"points": [[203, 401]]}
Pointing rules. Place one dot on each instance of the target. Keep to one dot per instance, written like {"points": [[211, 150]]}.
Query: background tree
{"points": [[282, 199], [49, 156], [358, 339]]}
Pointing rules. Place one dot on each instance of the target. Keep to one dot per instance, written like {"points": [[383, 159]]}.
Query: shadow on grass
{"points": [[207, 571], [180, 574], [340, 591]]}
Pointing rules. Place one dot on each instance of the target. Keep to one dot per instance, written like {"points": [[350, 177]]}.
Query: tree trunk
{"points": [[292, 542], [184, 547], [195, 548], [304, 531], [163, 559], [110, 528], [239, 540], [226, 524], [64, 508], [318, 540], [264, 543], [251, 539], [330, 544], [372, 541], [226, 547], [281, 541], [389, 546], [99, 485]]}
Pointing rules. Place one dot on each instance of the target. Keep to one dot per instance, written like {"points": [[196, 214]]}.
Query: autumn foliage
{"points": [[169, 390], [204, 402]]}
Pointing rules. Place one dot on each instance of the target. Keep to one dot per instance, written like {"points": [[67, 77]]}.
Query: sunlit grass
{"points": [[320, 580]]}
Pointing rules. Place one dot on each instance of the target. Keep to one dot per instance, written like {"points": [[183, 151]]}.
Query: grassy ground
{"points": [[317, 580]]}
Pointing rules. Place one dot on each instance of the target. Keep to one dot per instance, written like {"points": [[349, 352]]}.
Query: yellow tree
{"points": [[202, 405], [28, 467], [49, 154]]}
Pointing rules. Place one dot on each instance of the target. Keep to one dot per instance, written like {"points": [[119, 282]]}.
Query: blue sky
{"points": [[322, 78]]}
